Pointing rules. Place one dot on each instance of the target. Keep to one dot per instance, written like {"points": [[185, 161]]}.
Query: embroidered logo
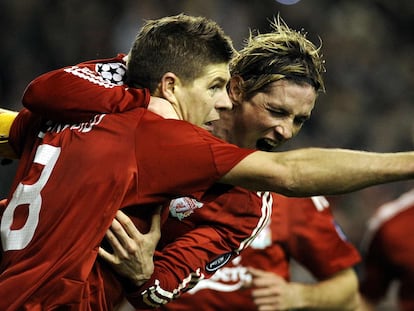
{"points": [[218, 262], [184, 207]]}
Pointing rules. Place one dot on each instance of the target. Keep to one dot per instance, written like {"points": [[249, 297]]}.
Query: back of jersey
{"points": [[70, 185]]}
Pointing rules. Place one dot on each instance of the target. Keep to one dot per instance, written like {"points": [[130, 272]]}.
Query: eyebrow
{"points": [[221, 80]]}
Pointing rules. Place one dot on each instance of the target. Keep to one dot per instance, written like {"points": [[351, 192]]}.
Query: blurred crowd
{"points": [[368, 47]]}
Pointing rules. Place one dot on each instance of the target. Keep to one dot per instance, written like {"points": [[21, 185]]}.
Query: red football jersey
{"points": [[219, 244], [199, 238], [301, 228], [71, 180], [388, 252]]}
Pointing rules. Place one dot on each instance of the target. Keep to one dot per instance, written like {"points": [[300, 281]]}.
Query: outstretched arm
{"points": [[272, 292], [319, 171], [314, 171], [71, 94]]}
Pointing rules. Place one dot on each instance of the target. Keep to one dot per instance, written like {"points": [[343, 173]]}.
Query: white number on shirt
{"points": [[16, 239]]}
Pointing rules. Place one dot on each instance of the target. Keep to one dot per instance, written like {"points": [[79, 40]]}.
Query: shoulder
{"points": [[392, 219], [303, 208], [390, 210]]}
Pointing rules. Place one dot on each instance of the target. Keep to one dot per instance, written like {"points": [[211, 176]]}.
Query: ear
{"points": [[235, 89], [166, 88]]}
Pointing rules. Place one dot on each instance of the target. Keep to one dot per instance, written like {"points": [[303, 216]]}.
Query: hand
{"points": [[271, 292], [133, 251]]}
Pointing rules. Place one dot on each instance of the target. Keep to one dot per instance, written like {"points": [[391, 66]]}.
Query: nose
{"points": [[223, 102], [283, 132]]}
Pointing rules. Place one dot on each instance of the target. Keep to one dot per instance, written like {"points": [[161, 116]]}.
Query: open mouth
{"points": [[266, 144]]}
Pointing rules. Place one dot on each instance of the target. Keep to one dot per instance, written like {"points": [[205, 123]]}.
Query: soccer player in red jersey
{"points": [[268, 111], [388, 254], [66, 245], [51, 228], [300, 229]]}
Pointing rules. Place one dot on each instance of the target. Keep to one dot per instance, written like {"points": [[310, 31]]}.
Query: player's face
{"points": [[269, 119], [201, 100]]}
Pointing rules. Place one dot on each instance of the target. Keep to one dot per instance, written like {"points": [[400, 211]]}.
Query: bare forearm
{"points": [[337, 293], [339, 171], [316, 171]]}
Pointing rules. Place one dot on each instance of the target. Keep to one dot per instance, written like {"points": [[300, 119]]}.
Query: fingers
{"points": [[121, 245], [261, 278], [125, 239], [116, 246], [156, 224], [256, 272], [127, 224], [106, 255], [119, 238], [130, 230]]}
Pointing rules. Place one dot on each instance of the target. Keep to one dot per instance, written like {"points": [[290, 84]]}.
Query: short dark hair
{"points": [[180, 44]]}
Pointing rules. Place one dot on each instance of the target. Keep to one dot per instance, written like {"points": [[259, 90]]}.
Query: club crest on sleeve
{"points": [[112, 72], [218, 262], [184, 207]]}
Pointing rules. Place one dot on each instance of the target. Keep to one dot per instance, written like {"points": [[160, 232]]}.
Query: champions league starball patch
{"points": [[112, 72]]}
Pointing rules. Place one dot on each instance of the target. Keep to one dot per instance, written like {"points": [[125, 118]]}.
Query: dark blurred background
{"points": [[368, 47]]}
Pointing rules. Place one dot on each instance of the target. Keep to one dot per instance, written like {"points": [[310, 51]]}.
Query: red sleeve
{"points": [[75, 94], [387, 247], [211, 241], [25, 125], [172, 141], [315, 239]]}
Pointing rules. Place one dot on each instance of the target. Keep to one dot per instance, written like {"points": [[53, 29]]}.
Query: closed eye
{"points": [[277, 113]]}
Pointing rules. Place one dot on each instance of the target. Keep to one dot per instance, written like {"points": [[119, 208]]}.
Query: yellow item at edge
{"points": [[6, 119]]}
